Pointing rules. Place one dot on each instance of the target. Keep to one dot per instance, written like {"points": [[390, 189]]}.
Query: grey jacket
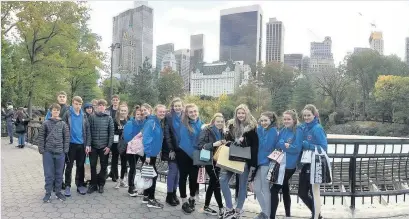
{"points": [[54, 137], [86, 132], [102, 130]]}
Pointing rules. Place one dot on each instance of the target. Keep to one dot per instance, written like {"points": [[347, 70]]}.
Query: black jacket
{"points": [[250, 140], [102, 130], [169, 140], [207, 137]]}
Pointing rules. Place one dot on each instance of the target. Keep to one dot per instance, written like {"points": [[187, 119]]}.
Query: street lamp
{"points": [[113, 47]]}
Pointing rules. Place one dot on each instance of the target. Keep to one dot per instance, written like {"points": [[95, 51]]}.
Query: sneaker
{"points": [[117, 185], [221, 213], [101, 189], [145, 200], [236, 215], [175, 197], [170, 200], [91, 189], [228, 213], [319, 217], [208, 210], [82, 190], [47, 198], [60, 196], [192, 204], [123, 184], [186, 208], [67, 191], [261, 216], [139, 194], [153, 203]]}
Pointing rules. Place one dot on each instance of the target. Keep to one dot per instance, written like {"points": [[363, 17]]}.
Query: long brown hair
{"points": [[313, 110], [294, 116], [186, 118], [273, 118]]}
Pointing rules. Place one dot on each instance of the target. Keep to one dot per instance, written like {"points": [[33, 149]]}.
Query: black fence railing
{"points": [[367, 170]]}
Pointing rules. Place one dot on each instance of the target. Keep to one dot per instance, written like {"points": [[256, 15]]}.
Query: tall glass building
{"points": [[241, 30]]}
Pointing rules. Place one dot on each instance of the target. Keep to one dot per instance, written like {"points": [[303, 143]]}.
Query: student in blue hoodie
{"points": [[267, 139], [313, 136], [80, 138], [131, 129], [189, 136], [173, 120], [287, 142], [152, 145]]}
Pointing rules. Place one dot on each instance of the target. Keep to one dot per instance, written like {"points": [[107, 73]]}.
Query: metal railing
{"points": [[375, 169]]}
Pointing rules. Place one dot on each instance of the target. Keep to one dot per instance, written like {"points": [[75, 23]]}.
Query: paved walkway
{"points": [[22, 190]]}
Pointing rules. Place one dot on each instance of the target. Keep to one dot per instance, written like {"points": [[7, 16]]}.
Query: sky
{"points": [[346, 22]]}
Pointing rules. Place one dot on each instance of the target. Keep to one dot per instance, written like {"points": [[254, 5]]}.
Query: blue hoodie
{"points": [[314, 135], [76, 127], [188, 141], [176, 122], [287, 135], [267, 139], [132, 128], [152, 136]]}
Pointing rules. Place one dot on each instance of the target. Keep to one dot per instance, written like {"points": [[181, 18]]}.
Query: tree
{"points": [[303, 93], [144, 89], [333, 84], [48, 30], [170, 85], [106, 86], [257, 98]]}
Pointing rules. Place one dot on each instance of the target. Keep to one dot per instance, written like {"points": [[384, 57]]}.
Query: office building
{"points": [[407, 51], [241, 34], [360, 49], [294, 60], [183, 66], [168, 62], [133, 30], [197, 43], [376, 41], [275, 40], [161, 51], [321, 57]]}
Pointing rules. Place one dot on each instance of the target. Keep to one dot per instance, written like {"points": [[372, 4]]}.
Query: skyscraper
{"points": [[241, 31], [275, 41], [321, 57], [183, 66], [407, 50], [376, 41], [162, 50], [133, 30], [196, 50], [168, 62], [294, 60]]}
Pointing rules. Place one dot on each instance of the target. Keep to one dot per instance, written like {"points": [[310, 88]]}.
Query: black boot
{"points": [[175, 198], [170, 200]]}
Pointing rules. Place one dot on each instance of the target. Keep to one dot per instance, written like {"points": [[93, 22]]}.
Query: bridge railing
{"points": [[372, 168]]}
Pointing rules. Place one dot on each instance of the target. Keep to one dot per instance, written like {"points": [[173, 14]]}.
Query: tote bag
{"points": [[239, 153], [277, 156], [224, 162], [199, 162], [201, 176], [321, 172], [148, 171]]}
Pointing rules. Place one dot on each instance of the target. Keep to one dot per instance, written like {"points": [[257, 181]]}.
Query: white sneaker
{"points": [[118, 184], [123, 184]]}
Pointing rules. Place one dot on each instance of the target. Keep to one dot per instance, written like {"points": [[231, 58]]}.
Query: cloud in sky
{"points": [[304, 21]]}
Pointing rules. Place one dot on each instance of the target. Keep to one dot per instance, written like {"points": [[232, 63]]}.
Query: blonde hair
{"points": [[186, 116], [147, 106], [158, 106], [217, 115], [77, 99], [272, 116], [294, 116], [313, 110], [118, 113], [175, 100]]}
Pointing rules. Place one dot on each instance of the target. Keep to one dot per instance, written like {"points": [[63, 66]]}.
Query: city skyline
{"points": [[347, 23]]}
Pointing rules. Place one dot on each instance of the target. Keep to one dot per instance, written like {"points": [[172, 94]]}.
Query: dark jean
{"points": [[53, 165], [77, 153], [10, 131], [98, 179], [214, 185], [173, 176], [133, 160], [21, 140], [150, 193], [186, 168], [275, 189], [305, 188], [114, 162]]}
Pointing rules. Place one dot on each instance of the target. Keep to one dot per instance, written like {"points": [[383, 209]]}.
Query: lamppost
{"points": [[113, 47]]}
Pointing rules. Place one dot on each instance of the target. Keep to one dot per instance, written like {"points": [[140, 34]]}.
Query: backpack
{"points": [[135, 146]]}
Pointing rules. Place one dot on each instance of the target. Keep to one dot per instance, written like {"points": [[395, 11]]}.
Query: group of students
{"points": [[175, 134]]}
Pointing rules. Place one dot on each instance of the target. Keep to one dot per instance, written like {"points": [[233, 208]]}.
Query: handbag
{"points": [[239, 153], [205, 155], [216, 154], [148, 171], [306, 157], [201, 176], [277, 156], [225, 163], [273, 171], [199, 162], [321, 172], [142, 183], [135, 146]]}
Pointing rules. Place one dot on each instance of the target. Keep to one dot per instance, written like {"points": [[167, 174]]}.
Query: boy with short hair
{"points": [[54, 139], [62, 101], [102, 137]]}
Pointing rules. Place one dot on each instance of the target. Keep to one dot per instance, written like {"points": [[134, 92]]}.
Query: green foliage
{"points": [[303, 94], [144, 89], [170, 85]]}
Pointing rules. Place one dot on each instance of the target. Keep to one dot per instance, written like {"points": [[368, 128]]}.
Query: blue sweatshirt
{"points": [[188, 141], [152, 136], [76, 127], [132, 128], [314, 135], [267, 139], [176, 122], [287, 135]]}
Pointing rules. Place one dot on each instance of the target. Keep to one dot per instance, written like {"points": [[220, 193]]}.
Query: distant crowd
{"points": [[89, 132]]}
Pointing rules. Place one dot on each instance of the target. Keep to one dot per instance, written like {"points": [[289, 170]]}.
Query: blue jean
{"points": [[225, 177], [10, 131], [53, 165], [21, 140], [173, 176]]}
